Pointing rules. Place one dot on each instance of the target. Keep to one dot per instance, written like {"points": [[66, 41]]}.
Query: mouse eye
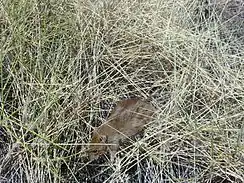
{"points": [[103, 138]]}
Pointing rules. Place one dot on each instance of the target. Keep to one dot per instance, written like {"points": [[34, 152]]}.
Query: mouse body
{"points": [[126, 120]]}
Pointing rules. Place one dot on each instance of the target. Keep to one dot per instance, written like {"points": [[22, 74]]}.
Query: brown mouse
{"points": [[127, 119]]}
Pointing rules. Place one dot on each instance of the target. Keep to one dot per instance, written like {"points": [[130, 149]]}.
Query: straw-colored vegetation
{"points": [[65, 63]]}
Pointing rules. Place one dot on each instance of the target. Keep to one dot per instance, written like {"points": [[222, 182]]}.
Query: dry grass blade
{"points": [[65, 63]]}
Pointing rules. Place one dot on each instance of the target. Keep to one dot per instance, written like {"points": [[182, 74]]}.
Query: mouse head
{"points": [[97, 145]]}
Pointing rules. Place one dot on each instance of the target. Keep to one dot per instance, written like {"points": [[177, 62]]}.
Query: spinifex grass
{"points": [[63, 65]]}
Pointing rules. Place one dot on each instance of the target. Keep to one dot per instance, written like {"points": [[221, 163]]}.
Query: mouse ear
{"points": [[94, 129], [103, 138]]}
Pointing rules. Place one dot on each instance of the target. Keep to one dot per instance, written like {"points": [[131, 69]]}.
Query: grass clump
{"points": [[64, 64]]}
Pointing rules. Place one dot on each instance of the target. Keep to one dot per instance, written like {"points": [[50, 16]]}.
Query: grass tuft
{"points": [[64, 65]]}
